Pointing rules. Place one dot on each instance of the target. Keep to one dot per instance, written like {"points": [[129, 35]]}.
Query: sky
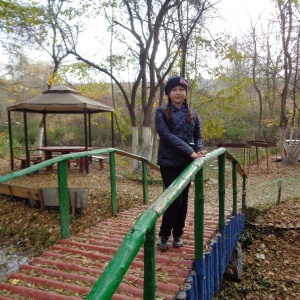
{"points": [[239, 13], [236, 17], [236, 14]]}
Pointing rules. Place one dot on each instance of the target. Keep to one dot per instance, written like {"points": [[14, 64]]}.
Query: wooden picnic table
{"points": [[49, 150], [263, 144]]}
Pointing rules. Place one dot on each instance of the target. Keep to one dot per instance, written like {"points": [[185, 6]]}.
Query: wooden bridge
{"points": [[100, 263]]}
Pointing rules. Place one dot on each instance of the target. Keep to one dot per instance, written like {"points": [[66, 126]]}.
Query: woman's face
{"points": [[178, 95]]}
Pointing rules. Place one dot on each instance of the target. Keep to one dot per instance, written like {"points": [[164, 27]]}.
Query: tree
{"points": [[176, 32], [289, 27], [58, 23], [14, 16], [139, 31], [146, 29], [266, 62]]}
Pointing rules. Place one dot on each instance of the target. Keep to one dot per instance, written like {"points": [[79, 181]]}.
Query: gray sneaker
{"points": [[162, 243], [177, 242]]}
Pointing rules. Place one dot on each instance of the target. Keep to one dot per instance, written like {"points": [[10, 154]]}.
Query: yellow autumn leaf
{"points": [[15, 281]]}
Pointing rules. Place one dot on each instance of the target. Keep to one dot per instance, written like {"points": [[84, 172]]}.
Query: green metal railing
{"points": [[63, 179], [143, 231]]}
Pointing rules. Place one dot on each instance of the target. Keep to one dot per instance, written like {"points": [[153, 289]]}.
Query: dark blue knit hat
{"points": [[176, 81]]}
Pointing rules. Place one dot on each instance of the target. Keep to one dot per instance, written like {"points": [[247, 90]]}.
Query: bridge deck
{"points": [[71, 267]]}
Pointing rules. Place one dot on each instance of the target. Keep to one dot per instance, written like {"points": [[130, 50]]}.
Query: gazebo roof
{"points": [[60, 99]]}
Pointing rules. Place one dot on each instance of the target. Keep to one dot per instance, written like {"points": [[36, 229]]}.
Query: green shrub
{"points": [[4, 144]]}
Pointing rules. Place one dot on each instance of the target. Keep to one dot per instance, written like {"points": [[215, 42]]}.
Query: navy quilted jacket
{"points": [[179, 139]]}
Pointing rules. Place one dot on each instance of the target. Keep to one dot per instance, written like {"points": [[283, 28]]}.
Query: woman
{"points": [[178, 127]]}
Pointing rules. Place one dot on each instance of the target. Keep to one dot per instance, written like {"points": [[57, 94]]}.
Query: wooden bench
{"points": [[80, 162], [35, 159], [100, 159]]}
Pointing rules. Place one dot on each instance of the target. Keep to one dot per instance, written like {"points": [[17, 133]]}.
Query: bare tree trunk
{"points": [[154, 147], [286, 26], [111, 80], [254, 78], [147, 143], [39, 138], [156, 138], [135, 147]]}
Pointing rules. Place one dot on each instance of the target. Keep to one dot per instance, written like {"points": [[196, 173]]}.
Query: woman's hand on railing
{"points": [[202, 152], [195, 155]]}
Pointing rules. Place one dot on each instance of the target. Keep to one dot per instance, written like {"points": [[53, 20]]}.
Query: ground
{"points": [[270, 243]]}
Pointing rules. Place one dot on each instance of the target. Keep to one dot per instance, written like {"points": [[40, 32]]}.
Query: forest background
{"points": [[244, 87]]}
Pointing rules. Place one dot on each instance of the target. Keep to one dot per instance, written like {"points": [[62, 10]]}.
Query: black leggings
{"points": [[173, 220]]}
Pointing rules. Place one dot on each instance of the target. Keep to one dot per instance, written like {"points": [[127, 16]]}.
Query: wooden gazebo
{"points": [[58, 100]]}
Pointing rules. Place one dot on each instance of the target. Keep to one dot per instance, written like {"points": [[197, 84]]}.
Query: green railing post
{"points": [[244, 196], [113, 183], [149, 265], [199, 214], [145, 182], [234, 187], [63, 199], [222, 191]]}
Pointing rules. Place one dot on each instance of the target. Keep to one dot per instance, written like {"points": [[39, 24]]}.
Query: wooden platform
{"points": [[45, 196], [13, 191]]}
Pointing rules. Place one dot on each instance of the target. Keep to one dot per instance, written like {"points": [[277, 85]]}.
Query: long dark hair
{"points": [[168, 113]]}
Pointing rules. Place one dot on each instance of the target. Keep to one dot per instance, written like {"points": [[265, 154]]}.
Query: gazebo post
{"points": [[112, 130], [86, 141], [45, 130], [26, 139], [90, 131], [10, 143]]}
